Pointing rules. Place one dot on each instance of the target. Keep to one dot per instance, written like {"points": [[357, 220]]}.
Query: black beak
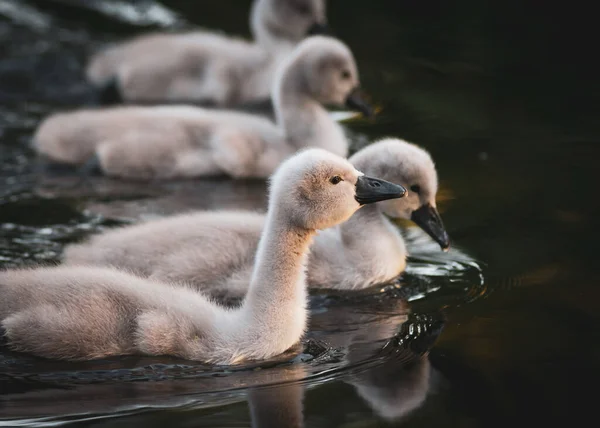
{"points": [[109, 93], [355, 101], [428, 218], [369, 190], [319, 29]]}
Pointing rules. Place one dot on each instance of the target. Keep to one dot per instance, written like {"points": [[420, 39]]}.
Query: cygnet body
{"points": [[81, 313], [185, 141], [208, 67], [216, 256]]}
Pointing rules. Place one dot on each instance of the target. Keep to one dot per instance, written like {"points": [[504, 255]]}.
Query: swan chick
{"points": [[81, 313], [203, 66], [182, 141], [348, 257], [412, 166], [215, 252]]}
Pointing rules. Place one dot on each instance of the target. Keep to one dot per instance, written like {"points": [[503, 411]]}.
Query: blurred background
{"points": [[505, 96]]}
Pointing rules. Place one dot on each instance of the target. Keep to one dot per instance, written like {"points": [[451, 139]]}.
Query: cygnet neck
{"points": [[269, 36], [278, 281], [303, 120], [365, 223]]}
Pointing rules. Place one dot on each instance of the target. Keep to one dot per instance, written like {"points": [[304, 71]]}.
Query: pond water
{"points": [[501, 329]]}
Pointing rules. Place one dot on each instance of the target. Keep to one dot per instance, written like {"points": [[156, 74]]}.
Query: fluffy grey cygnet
{"points": [[207, 67], [215, 252], [81, 313], [183, 141]]}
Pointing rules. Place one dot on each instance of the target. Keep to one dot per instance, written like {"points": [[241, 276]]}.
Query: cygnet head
{"points": [[316, 189], [324, 69], [412, 167], [290, 20]]}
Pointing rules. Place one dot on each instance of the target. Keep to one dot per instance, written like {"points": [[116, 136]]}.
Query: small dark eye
{"points": [[415, 188], [345, 74], [335, 179]]}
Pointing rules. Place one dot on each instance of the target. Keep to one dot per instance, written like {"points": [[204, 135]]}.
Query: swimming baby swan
{"points": [[215, 253], [80, 313], [207, 67], [185, 141], [345, 257]]}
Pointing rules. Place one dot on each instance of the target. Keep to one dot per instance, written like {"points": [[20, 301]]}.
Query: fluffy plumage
{"points": [[185, 141], [214, 252], [80, 313], [208, 67]]}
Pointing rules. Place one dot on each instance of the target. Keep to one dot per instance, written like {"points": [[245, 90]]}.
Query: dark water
{"points": [[502, 330]]}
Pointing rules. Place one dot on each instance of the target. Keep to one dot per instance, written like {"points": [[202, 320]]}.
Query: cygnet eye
{"points": [[335, 179], [345, 74], [415, 188]]}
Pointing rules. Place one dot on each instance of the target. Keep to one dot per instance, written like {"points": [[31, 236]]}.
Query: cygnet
{"points": [[82, 313]]}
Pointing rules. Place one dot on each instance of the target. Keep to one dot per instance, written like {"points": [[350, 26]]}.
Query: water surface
{"points": [[502, 329]]}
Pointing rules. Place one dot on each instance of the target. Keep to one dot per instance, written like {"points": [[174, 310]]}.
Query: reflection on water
{"points": [[362, 344], [501, 93]]}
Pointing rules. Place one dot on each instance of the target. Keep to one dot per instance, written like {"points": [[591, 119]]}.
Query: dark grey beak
{"points": [[355, 101], [428, 218], [369, 190], [109, 93], [319, 29]]}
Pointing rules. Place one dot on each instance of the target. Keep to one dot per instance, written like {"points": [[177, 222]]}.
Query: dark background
{"points": [[505, 96]]}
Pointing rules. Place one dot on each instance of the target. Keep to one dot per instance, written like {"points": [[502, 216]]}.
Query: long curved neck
{"points": [[365, 223], [304, 121], [269, 34], [278, 284]]}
